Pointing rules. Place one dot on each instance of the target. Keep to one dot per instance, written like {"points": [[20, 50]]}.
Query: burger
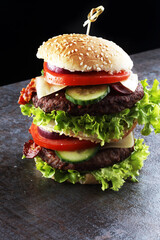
{"points": [[85, 106]]}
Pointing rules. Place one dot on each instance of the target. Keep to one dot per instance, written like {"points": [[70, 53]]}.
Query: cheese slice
{"points": [[131, 83], [126, 142], [43, 88]]}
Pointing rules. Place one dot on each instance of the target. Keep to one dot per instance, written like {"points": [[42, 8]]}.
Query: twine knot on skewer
{"points": [[92, 17]]}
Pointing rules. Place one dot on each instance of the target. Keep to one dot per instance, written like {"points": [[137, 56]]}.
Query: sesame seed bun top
{"points": [[80, 52]]}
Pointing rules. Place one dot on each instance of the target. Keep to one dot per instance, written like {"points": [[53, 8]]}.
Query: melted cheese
{"points": [[131, 83], [126, 142], [43, 88]]}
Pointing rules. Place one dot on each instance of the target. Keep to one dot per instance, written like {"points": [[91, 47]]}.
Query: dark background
{"points": [[134, 25]]}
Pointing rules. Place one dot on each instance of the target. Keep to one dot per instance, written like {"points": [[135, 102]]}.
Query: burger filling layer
{"points": [[120, 164], [113, 102], [60, 154], [103, 158]]}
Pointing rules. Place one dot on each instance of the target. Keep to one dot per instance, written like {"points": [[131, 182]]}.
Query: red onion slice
{"points": [[56, 69], [50, 135], [120, 88]]}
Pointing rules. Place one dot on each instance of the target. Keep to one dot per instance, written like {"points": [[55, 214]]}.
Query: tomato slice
{"points": [[67, 144], [83, 78]]}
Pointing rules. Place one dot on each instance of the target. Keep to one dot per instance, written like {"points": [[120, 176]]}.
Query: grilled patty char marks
{"points": [[103, 158], [114, 102]]}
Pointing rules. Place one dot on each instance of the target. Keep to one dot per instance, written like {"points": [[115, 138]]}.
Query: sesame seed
{"points": [[89, 68], [87, 54], [80, 58], [75, 50], [81, 54], [89, 49], [98, 69], [81, 63]]}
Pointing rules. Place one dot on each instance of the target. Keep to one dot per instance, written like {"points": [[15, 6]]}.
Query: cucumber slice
{"points": [[87, 94], [77, 156]]}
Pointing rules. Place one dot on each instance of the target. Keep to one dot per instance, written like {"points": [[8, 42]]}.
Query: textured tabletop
{"points": [[32, 207]]}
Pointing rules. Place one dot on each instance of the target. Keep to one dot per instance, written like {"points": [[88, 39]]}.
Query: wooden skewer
{"points": [[92, 17]]}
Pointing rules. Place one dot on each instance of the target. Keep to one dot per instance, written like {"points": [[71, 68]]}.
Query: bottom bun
{"points": [[94, 138], [89, 179]]}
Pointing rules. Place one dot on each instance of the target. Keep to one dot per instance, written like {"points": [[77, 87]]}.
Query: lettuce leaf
{"points": [[59, 175], [106, 127], [112, 177], [149, 108]]}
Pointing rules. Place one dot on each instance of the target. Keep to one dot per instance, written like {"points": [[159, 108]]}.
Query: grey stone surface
{"points": [[32, 207]]}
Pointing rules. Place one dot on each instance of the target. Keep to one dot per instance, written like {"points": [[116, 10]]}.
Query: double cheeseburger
{"points": [[85, 106]]}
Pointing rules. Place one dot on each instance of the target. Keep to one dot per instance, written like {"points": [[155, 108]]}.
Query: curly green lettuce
{"points": [[149, 108], [106, 127], [112, 177]]}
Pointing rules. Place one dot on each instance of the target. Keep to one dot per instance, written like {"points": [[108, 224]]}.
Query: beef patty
{"points": [[103, 158], [114, 102]]}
